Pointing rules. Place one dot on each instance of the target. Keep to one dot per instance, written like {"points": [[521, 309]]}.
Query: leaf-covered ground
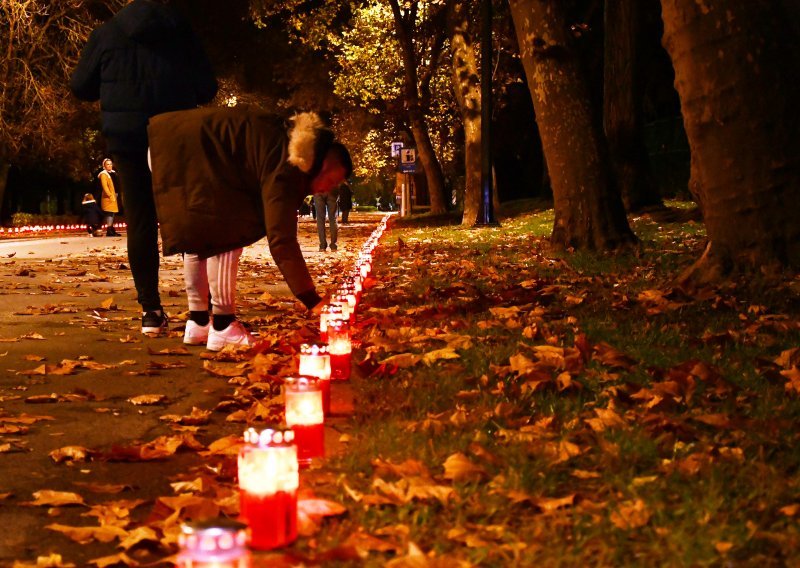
{"points": [[513, 407]]}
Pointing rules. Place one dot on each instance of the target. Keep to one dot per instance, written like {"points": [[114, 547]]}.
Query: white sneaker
{"points": [[196, 334], [234, 334]]}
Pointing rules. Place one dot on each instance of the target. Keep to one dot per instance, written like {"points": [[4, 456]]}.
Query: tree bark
{"points": [[416, 116], [589, 213], [622, 106], [466, 84], [737, 74], [4, 167]]}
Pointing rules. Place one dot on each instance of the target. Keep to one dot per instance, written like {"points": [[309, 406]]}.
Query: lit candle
{"points": [[268, 481], [305, 416], [315, 362], [221, 543], [348, 313], [329, 311], [340, 348]]}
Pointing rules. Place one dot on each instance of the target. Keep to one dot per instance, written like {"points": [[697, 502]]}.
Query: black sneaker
{"points": [[334, 247], [154, 323]]}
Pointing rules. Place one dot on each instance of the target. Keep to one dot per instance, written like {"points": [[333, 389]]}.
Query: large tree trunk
{"points": [[622, 106], [736, 71], [466, 84], [589, 213], [419, 126], [5, 165]]}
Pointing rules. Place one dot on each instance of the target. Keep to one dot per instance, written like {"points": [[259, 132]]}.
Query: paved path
{"points": [[71, 298]]}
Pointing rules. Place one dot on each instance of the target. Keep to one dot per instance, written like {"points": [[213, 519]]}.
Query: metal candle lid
{"points": [[313, 349], [213, 538], [270, 437]]}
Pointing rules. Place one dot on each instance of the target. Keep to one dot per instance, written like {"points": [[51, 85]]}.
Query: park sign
{"points": [[408, 160], [396, 147]]}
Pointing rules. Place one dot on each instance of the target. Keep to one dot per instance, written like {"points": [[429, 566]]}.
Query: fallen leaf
{"points": [[46, 497], [85, 535], [459, 468], [70, 453], [148, 399], [630, 515]]}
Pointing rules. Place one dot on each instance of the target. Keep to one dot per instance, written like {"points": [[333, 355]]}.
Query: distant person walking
{"points": [[108, 196], [345, 201], [326, 202], [144, 61]]}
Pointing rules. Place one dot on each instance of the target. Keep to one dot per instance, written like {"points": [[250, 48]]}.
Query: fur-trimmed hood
{"points": [[303, 136]]}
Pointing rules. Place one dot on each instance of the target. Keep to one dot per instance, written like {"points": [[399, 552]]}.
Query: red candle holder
{"points": [[219, 543], [304, 414], [316, 362], [268, 482], [340, 348], [348, 313], [329, 311]]}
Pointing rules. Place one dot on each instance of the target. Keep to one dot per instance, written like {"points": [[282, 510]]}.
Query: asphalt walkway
{"points": [[75, 372]]}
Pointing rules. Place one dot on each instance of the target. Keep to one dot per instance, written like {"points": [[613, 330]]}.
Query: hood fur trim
{"points": [[302, 139]]}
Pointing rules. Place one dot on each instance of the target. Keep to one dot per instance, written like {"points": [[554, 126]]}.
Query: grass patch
{"points": [[591, 414]]}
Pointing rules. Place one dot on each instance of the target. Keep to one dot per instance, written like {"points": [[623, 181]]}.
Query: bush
{"points": [[365, 208]]}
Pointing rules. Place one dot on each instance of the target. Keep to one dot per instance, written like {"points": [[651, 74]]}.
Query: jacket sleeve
{"points": [[280, 218], [85, 79]]}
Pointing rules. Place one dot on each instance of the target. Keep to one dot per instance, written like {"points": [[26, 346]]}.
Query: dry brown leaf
{"points": [[148, 399], [459, 468], [51, 561], [46, 497], [103, 487], [108, 304], [114, 560], [631, 515], [365, 543], [70, 453], [137, 536], [402, 360], [85, 535], [433, 356]]}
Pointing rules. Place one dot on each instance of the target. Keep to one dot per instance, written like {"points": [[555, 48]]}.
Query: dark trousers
{"points": [[142, 233], [345, 215]]}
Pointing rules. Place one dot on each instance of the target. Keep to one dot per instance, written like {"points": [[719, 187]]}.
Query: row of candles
{"points": [[28, 229], [270, 461]]}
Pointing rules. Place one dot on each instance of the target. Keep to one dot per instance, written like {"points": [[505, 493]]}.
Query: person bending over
{"points": [[248, 176]]}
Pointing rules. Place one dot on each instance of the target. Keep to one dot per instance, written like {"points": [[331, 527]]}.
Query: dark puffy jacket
{"points": [[222, 179], [142, 62]]}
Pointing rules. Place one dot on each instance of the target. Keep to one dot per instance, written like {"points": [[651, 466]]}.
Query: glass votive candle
{"points": [[348, 291], [340, 300], [340, 348], [217, 543], [316, 362], [305, 416], [329, 311], [268, 481]]}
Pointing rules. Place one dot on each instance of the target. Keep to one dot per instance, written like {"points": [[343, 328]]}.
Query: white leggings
{"points": [[217, 273]]}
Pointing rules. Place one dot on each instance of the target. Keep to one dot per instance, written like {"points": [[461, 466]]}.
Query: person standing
{"points": [[326, 202], [108, 196], [142, 62], [345, 201]]}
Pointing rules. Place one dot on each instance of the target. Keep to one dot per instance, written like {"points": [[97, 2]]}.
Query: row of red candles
{"points": [[24, 229], [270, 461]]}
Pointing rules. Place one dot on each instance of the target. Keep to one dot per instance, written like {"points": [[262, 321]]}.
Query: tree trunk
{"points": [[622, 106], [5, 165], [737, 73], [466, 84], [419, 126], [589, 213]]}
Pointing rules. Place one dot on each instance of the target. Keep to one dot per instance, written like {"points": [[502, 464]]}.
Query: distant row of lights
{"points": [[33, 229]]}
